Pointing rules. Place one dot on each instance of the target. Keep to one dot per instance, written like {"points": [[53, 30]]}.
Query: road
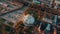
{"points": [[14, 10]]}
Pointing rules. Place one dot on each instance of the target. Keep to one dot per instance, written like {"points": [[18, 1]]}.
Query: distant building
{"points": [[57, 3]]}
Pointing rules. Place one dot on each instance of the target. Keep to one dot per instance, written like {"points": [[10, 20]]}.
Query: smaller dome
{"points": [[28, 20]]}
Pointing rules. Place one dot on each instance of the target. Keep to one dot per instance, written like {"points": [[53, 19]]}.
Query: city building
{"points": [[29, 17]]}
